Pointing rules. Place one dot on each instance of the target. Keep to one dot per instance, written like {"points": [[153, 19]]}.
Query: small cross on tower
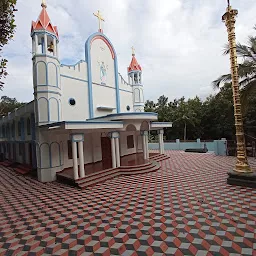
{"points": [[44, 5], [133, 51], [100, 18]]}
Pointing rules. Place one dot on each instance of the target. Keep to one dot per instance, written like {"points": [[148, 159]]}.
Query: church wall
{"points": [[102, 61], [103, 97], [123, 85], [77, 90], [123, 143], [96, 146], [126, 100], [77, 71]]}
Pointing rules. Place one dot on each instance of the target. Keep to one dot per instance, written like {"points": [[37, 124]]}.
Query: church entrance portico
{"points": [[81, 148]]}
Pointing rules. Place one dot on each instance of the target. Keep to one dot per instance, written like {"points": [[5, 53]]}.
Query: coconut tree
{"points": [[246, 70]]}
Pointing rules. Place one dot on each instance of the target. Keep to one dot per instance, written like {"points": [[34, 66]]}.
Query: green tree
{"points": [[150, 106], [218, 115], [7, 29], [246, 70], [162, 109], [8, 104], [187, 116]]}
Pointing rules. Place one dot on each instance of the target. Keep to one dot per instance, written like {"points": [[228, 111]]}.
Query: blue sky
{"points": [[178, 43]]}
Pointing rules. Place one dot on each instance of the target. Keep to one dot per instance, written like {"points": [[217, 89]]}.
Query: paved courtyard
{"points": [[186, 208]]}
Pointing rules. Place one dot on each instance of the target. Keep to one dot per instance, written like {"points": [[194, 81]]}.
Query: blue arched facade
{"points": [[89, 71]]}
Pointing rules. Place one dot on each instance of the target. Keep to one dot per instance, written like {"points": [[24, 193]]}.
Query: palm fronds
{"points": [[222, 79], [246, 70]]}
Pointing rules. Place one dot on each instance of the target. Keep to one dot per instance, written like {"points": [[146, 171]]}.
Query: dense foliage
{"points": [[7, 28], [209, 119], [8, 105]]}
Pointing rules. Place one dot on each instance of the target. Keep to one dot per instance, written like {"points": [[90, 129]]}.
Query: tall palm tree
{"points": [[246, 70]]}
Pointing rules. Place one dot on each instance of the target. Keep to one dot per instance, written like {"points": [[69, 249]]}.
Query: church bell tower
{"points": [[46, 69], [135, 79]]}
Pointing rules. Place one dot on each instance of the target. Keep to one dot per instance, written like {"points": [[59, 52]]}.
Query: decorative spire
{"points": [[133, 51], [134, 65], [100, 18], [43, 22], [44, 5]]}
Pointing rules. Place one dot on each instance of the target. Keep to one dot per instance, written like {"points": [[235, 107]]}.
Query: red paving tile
{"points": [[186, 208]]}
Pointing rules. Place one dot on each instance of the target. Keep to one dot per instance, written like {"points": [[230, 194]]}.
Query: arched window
{"points": [[28, 126]]}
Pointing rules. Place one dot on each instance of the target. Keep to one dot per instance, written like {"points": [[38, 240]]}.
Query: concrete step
{"points": [[159, 158], [137, 166], [100, 174], [156, 156], [86, 183], [94, 174], [152, 169], [110, 174], [91, 177]]}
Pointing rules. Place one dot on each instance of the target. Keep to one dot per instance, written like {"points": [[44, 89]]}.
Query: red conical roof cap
{"points": [[134, 65], [44, 23]]}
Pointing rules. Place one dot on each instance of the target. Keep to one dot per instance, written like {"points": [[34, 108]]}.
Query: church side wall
{"points": [[123, 143], [103, 97], [126, 99], [77, 90], [96, 146], [77, 71]]}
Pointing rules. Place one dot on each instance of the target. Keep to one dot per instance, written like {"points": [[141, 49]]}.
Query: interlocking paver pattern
{"points": [[186, 208]]}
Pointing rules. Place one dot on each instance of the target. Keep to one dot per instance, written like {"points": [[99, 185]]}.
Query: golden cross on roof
{"points": [[44, 5], [133, 51], [100, 18]]}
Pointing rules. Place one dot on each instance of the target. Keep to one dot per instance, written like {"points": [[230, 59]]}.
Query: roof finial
{"points": [[228, 3], [133, 51], [44, 5]]}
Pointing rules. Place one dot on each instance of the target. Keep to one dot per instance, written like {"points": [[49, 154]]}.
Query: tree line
{"points": [[210, 119]]}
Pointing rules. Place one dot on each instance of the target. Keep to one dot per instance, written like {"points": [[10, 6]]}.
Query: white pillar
{"points": [[74, 155], [36, 44], [118, 164], [113, 152], [144, 146], [45, 44], [81, 159], [146, 142], [54, 47], [160, 142]]}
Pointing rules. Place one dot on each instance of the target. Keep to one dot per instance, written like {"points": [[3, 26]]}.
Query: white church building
{"points": [[83, 114]]}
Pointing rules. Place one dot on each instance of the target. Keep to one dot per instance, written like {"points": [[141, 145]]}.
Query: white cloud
{"points": [[178, 43]]}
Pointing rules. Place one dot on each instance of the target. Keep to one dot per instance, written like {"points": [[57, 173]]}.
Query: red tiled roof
{"points": [[44, 23], [134, 64]]}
